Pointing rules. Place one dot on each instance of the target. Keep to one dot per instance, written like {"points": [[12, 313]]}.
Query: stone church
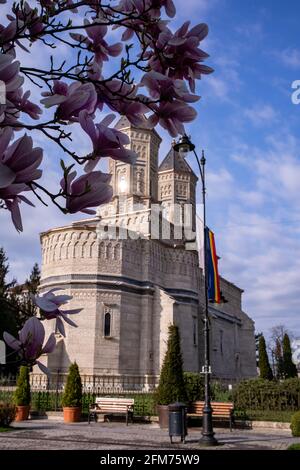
{"points": [[132, 278]]}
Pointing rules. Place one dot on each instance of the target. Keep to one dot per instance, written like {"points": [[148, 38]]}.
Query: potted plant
{"points": [[22, 395], [171, 387], [72, 397]]}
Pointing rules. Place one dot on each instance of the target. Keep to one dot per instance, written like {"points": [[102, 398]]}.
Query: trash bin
{"points": [[177, 420]]}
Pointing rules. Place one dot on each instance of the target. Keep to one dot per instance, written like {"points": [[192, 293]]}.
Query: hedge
{"points": [[259, 394]]}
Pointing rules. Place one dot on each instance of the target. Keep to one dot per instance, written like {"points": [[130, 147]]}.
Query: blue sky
{"points": [[250, 131]]}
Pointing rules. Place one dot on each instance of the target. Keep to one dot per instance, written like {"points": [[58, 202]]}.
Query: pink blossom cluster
{"points": [[168, 62], [30, 342], [100, 78]]}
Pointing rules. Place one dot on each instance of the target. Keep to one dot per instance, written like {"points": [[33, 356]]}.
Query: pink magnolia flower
{"points": [[51, 3], [123, 98], [107, 142], [9, 73], [15, 100], [167, 89], [140, 6], [20, 102], [18, 166], [8, 32], [96, 43], [171, 116], [88, 190], [181, 56], [50, 304], [30, 343], [28, 17], [71, 99]]}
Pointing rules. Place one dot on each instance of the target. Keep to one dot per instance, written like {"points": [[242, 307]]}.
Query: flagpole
{"points": [[185, 145]]}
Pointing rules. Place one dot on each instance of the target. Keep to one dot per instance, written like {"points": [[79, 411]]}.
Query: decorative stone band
{"points": [[116, 283]]}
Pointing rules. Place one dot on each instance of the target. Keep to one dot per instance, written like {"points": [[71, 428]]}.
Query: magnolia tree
{"points": [[125, 57]]}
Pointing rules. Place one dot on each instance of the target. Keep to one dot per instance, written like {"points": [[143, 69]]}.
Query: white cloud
{"points": [[258, 235], [260, 115], [289, 57]]}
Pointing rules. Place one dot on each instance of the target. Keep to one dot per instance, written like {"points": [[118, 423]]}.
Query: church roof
{"points": [[174, 161], [124, 123]]}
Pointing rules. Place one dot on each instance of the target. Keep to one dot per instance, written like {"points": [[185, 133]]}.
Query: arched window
{"points": [[107, 324]]}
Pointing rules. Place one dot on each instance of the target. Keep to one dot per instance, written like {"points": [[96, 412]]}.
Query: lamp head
{"points": [[184, 146]]}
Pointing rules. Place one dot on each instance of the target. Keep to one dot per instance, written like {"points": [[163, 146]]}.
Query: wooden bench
{"points": [[220, 410], [107, 406]]}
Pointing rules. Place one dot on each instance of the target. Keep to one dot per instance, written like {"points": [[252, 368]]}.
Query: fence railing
{"points": [[101, 384]]}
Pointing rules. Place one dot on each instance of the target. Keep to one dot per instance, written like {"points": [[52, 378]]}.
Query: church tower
{"points": [[138, 183], [177, 189]]}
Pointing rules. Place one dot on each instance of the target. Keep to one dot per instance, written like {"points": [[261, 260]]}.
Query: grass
{"points": [[265, 415], [294, 447], [6, 429]]}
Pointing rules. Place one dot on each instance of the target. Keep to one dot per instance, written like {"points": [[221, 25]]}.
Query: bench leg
{"points": [[127, 419], [89, 418]]}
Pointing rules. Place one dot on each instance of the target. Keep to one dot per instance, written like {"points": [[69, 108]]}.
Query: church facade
{"points": [[133, 275]]}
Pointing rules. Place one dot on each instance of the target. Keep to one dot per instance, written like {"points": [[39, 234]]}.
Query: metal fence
{"points": [[46, 392], [93, 384]]}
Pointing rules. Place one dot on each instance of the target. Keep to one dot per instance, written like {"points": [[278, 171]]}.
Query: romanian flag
{"points": [[213, 282]]}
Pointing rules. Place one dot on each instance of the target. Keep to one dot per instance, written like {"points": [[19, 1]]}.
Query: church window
{"points": [[221, 342], [107, 323], [122, 183]]}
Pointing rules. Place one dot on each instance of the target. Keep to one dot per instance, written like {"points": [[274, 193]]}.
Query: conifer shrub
{"points": [[171, 386], [289, 368], [295, 424], [265, 370], [72, 396], [22, 392]]}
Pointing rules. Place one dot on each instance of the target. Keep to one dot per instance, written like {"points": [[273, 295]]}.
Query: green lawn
{"points": [[265, 415], [6, 429]]}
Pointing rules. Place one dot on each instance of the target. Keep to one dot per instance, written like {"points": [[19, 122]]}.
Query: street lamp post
{"points": [[184, 146]]}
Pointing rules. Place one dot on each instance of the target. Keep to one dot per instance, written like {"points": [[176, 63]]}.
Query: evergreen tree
{"points": [[171, 386], [73, 391], [278, 359], [8, 311], [265, 370], [22, 392], [288, 367], [27, 308]]}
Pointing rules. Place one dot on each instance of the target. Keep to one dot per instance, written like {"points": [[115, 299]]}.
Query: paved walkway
{"points": [[54, 435]]}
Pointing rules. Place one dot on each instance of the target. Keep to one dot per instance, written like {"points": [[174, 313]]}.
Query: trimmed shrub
{"points": [[171, 386], [194, 384], [289, 368], [265, 370], [259, 394], [22, 392], [72, 396], [7, 414], [295, 424]]}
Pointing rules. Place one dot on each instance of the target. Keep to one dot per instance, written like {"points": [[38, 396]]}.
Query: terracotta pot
{"points": [[163, 415], [72, 414], [22, 413]]}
